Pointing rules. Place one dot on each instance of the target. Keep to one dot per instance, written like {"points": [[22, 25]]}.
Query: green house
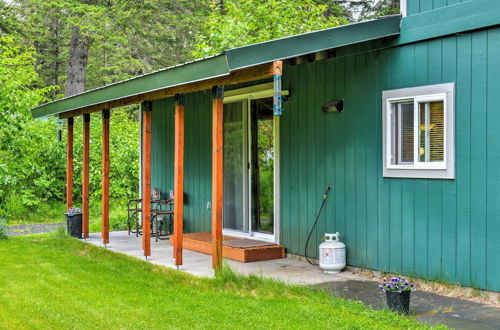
{"points": [[399, 115]]}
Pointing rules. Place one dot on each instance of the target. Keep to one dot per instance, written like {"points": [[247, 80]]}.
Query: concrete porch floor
{"points": [[425, 307], [199, 264]]}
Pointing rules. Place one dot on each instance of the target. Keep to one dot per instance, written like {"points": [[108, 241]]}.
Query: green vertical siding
{"points": [[463, 159], [420, 6], [492, 160], [439, 229], [162, 155], [197, 158]]}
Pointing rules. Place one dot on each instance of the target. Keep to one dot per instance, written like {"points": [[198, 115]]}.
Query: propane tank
{"points": [[332, 254]]}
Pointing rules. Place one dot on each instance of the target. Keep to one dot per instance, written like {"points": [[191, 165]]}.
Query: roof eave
{"points": [[226, 63], [178, 75]]}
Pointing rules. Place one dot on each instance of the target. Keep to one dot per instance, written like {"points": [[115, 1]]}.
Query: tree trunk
{"points": [[77, 65]]}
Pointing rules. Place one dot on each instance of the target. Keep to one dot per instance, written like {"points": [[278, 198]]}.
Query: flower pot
{"points": [[399, 301], [74, 224]]}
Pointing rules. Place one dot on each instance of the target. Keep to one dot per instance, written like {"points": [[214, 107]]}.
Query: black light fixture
{"points": [[333, 106], [60, 125]]}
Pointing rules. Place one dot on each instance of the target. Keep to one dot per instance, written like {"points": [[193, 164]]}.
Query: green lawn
{"points": [[51, 281]]}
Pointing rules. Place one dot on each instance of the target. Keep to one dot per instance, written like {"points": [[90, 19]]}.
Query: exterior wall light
{"points": [[333, 106]]}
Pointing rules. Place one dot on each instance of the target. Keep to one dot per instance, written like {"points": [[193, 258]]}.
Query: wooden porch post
{"points": [[147, 107], [217, 175], [69, 165], [85, 176], [179, 178], [105, 176]]}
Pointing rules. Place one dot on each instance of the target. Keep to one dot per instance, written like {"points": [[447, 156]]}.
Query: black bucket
{"points": [[74, 224], [399, 301]]}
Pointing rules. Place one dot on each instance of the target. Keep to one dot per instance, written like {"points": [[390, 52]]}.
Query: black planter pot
{"points": [[399, 301], [74, 224]]}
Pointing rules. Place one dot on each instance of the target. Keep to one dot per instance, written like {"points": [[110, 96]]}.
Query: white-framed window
{"points": [[418, 132]]}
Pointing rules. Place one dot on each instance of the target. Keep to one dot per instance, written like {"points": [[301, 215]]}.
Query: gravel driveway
{"points": [[18, 230]]}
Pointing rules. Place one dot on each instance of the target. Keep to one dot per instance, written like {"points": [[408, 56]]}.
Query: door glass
{"points": [[262, 165], [234, 167]]}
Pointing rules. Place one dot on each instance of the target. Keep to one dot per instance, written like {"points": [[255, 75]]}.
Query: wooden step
{"points": [[253, 250]]}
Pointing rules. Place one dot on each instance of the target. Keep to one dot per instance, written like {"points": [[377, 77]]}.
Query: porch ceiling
{"points": [[217, 69]]}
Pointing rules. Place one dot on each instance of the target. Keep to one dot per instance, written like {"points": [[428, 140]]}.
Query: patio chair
{"points": [[159, 209], [134, 210], [161, 217]]}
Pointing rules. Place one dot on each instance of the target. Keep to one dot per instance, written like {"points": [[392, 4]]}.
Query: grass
{"points": [[52, 281], [50, 212]]}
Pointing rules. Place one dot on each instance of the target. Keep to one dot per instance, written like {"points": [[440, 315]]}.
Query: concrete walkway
{"points": [[427, 307]]}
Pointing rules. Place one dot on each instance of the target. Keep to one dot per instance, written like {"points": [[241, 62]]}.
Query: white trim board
{"points": [[421, 93]]}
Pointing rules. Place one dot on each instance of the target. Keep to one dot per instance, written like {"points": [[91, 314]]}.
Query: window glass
{"points": [[406, 130], [436, 131], [403, 132], [431, 131]]}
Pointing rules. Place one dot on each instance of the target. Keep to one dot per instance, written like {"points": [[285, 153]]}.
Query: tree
{"points": [[368, 9], [28, 165], [32, 158], [86, 20], [234, 23], [8, 21], [84, 44], [18, 81], [143, 36]]}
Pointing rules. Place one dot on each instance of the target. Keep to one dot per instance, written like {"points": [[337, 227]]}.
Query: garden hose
{"points": [[327, 189]]}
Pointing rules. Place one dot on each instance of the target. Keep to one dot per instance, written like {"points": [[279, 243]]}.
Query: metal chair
{"points": [[160, 209], [161, 217], [134, 211]]}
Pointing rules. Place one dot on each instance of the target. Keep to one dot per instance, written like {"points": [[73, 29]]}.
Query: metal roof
{"points": [[223, 64], [311, 42]]}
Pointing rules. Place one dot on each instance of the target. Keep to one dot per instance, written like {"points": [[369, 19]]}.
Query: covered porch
{"points": [[195, 90]]}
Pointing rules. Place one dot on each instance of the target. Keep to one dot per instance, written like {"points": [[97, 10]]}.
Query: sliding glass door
{"points": [[235, 167], [249, 168], [262, 165]]}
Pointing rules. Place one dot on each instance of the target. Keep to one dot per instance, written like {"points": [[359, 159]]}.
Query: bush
{"points": [[117, 217]]}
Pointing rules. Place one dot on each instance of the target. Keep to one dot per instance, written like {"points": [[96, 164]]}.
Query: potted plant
{"points": [[397, 291]]}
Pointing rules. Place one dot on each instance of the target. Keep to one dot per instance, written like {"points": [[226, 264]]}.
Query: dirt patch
{"points": [[84, 252]]}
